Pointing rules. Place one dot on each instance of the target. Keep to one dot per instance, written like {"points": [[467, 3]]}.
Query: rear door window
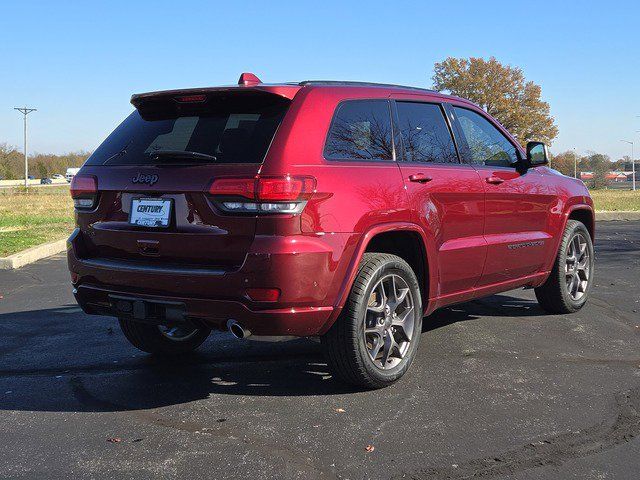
{"points": [[224, 129], [424, 132], [360, 130]]}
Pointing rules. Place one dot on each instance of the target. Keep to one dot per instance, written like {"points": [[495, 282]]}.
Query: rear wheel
{"points": [[568, 286], [374, 341], [161, 339]]}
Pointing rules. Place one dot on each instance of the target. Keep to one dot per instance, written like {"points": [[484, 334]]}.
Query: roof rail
{"points": [[362, 84]]}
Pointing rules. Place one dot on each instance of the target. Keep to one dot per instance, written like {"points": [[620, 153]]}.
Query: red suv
{"points": [[341, 210]]}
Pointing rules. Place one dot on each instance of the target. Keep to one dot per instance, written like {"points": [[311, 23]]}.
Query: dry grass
{"points": [[616, 200], [41, 215]]}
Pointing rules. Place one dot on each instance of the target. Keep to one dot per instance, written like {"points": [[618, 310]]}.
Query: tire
{"points": [[151, 339], [556, 295], [347, 344]]}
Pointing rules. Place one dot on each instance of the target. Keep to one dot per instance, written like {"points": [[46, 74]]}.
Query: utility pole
{"points": [[25, 111], [633, 165]]}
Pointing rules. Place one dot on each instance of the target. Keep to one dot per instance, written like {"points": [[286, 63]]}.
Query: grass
{"points": [[45, 214], [616, 200], [27, 219]]}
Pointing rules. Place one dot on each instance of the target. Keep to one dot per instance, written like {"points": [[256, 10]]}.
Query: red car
{"points": [[341, 210]]}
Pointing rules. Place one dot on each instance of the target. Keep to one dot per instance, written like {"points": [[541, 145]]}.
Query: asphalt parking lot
{"points": [[498, 390]]}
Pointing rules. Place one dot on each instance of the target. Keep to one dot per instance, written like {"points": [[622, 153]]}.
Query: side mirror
{"points": [[537, 154]]}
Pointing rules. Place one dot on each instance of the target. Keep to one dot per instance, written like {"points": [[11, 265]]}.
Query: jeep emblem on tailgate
{"points": [[145, 178]]}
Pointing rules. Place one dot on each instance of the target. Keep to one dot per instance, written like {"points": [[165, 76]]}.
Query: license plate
{"points": [[150, 212]]}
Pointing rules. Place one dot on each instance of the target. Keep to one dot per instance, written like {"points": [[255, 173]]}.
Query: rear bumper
{"points": [[307, 269], [301, 322]]}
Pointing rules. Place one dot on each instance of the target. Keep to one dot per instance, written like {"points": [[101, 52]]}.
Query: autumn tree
{"points": [[566, 162], [502, 91]]}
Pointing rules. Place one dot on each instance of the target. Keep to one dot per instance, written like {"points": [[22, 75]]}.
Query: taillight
{"points": [[84, 191], [285, 194]]}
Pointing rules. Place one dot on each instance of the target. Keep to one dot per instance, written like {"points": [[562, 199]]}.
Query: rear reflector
{"points": [[263, 294], [84, 191]]}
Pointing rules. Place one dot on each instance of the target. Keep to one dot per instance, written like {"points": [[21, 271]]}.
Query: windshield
{"points": [[224, 129]]}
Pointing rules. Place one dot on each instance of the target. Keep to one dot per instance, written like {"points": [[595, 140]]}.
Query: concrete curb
{"points": [[32, 254], [620, 216]]}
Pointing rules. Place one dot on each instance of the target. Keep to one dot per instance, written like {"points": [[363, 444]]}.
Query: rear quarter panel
{"points": [[352, 197]]}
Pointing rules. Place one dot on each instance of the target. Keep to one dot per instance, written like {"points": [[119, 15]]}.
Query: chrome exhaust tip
{"points": [[237, 330]]}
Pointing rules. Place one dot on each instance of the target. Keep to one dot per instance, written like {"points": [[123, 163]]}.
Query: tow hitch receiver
{"points": [[147, 311]]}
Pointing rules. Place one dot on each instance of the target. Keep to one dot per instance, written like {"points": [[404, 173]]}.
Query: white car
{"points": [[57, 176], [71, 173]]}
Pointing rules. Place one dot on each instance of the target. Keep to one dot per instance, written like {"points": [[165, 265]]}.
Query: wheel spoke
{"points": [[377, 344], [389, 342], [403, 295], [393, 297], [381, 297], [582, 252]]}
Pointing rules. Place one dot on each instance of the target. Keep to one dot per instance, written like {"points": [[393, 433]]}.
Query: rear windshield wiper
{"points": [[120, 153], [183, 154]]}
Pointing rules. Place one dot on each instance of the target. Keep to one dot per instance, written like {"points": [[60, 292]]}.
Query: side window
{"points": [[425, 134], [487, 144], [360, 130]]}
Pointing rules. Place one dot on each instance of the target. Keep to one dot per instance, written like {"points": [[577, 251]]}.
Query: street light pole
{"points": [[25, 111], [633, 165]]}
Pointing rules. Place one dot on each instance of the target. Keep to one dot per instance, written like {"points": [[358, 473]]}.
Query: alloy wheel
{"points": [[577, 267], [389, 321]]}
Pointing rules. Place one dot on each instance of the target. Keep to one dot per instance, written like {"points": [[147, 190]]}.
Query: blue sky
{"points": [[79, 62]]}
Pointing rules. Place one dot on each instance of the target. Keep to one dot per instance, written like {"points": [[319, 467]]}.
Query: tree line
{"points": [[570, 163], [40, 164]]}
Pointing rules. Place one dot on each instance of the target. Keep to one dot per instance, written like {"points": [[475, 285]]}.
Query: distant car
{"points": [[31, 177], [71, 173], [45, 181], [57, 176]]}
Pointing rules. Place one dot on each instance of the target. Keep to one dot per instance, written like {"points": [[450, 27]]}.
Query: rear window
{"points": [[360, 130], [226, 128]]}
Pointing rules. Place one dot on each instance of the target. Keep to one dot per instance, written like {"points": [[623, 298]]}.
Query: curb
{"points": [[32, 254], [618, 216]]}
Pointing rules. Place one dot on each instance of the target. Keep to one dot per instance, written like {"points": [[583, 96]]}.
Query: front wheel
{"points": [[568, 286], [161, 339], [374, 341]]}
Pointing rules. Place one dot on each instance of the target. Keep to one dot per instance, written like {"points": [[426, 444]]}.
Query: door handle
{"points": [[494, 180], [419, 178]]}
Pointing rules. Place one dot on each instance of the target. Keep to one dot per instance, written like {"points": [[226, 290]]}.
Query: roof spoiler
{"points": [[247, 82]]}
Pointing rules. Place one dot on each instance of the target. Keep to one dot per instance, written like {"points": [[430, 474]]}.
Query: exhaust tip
{"points": [[237, 330]]}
